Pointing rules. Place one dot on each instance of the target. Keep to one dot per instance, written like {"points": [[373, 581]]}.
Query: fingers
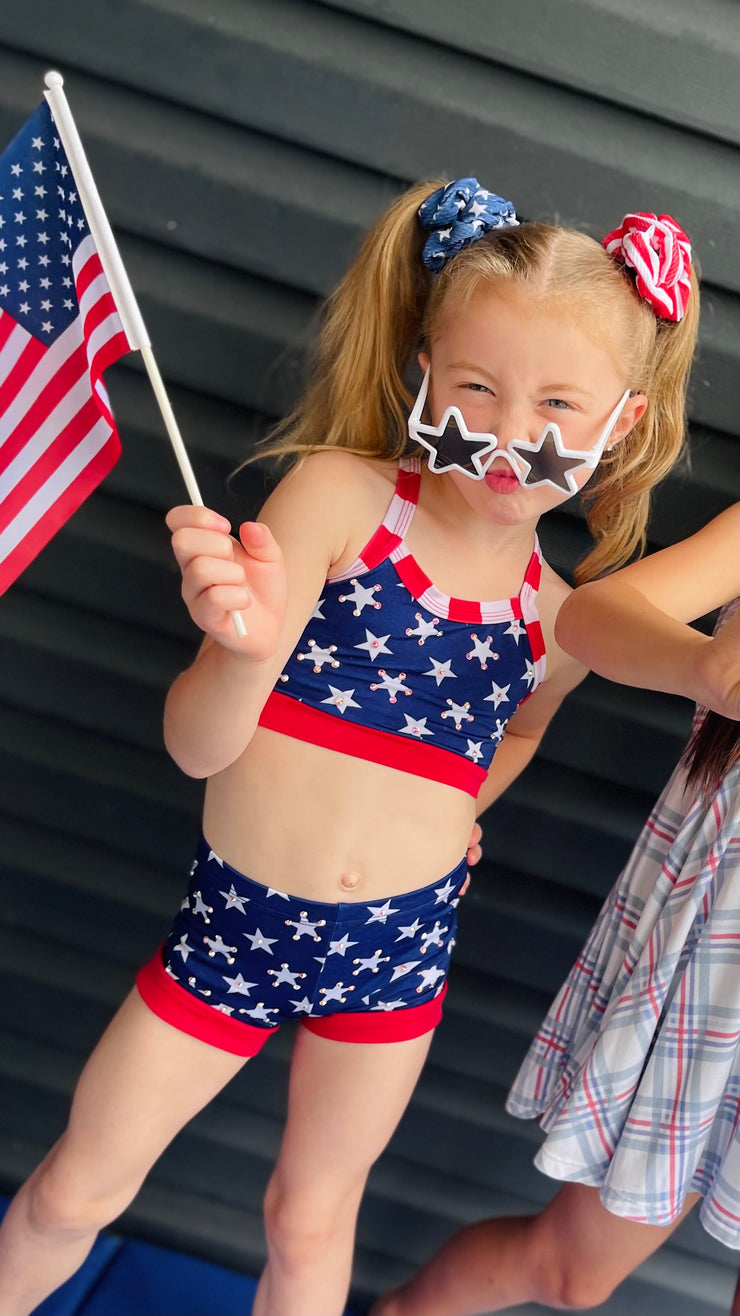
{"points": [[474, 851], [200, 517], [258, 541]]}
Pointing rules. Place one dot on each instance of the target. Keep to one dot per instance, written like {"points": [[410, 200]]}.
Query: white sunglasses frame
{"points": [[587, 459]]}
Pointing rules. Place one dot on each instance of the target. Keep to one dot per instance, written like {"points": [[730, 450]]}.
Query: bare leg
{"points": [[573, 1254], [345, 1102], [142, 1083]]}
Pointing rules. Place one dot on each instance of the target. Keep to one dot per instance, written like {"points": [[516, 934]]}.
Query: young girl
{"points": [[635, 1072], [347, 736]]}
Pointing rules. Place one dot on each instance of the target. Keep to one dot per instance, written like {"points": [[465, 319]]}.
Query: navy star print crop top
{"points": [[392, 670]]}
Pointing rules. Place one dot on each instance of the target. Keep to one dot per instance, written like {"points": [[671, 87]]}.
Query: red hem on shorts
{"points": [[173, 1003], [379, 1025]]}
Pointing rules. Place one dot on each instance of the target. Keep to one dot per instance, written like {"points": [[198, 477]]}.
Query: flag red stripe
{"points": [[7, 325], [66, 376], [87, 275], [97, 313], [107, 354], [64, 443], [23, 368], [67, 503]]}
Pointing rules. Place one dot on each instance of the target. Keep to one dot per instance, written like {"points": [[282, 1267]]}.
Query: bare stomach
{"points": [[315, 823]]}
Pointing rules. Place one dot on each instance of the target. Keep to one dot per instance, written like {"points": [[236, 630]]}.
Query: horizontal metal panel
{"points": [[674, 61]]}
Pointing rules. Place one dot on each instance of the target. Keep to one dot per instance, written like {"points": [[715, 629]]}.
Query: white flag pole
{"points": [[120, 286]]}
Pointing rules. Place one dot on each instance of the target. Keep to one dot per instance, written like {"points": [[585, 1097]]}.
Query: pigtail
{"points": [[618, 499], [357, 399]]}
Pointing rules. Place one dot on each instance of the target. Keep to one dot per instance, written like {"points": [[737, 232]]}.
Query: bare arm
{"points": [[525, 730], [632, 627], [274, 575]]}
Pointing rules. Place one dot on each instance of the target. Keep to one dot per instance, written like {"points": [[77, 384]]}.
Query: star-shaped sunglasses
{"points": [[453, 447]]}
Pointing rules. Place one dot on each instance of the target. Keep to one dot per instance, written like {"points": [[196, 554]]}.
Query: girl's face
{"points": [[512, 362]]}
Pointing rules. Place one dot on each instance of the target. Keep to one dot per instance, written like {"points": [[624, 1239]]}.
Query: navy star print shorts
{"points": [[242, 958]]}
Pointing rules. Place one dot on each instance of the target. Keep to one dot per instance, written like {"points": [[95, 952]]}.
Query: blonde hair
{"points": [[388, 306]]}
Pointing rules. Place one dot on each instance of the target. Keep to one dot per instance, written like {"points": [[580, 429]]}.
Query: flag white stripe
{"points": [[106, 330], [82, 254], [45, 497], [50, 363], [12, 350], [92, 294], [44, 436]]}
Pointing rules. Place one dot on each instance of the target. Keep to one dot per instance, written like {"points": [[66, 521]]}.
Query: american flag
{"points": [[59, 329]]}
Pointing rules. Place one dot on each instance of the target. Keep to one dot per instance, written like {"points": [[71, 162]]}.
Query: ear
{"points": [[633, 411], [424, 361]]}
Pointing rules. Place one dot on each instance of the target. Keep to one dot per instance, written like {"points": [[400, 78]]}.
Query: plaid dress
{"points": [[635, 1072]]}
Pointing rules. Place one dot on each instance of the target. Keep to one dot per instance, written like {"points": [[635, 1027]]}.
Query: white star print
{"points": [[433, 938], [183, 947], [361, 596], [217, 946], [339, 947], [474, 750], [498, 734], [342, 699], [305, 1005], [424, 628], [416, 727], [444, 892], [459, 712], [319, 656], [375, 644], [429, 977], [371, 963], [516, 629], [200, 907], [388, 1005], [335, 993], [391, 684], [410, 930], [306, 927], [285, 974], [238, 985], [440, 670], [212, 855], [482, 650], [401, 970], [380, 913], [260, 941], [529, 674], [317, 614], [271, 891], [499, 694], [262, 1012], [225, 1009], [233, 900]]}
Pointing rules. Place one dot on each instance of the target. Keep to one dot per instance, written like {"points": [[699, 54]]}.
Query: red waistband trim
{"points": [[290, 717]]}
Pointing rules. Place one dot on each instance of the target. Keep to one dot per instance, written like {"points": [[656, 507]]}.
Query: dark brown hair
{"points": [[714, 748]]}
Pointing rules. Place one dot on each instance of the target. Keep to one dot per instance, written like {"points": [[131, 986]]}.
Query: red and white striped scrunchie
{"points": [[659, 252]]}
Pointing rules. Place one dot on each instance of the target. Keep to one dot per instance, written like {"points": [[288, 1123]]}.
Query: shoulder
{"points": [[337, 495]]}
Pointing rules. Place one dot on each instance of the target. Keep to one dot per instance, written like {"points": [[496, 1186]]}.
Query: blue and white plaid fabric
{"points": [[459, 214], [635, 1072]]}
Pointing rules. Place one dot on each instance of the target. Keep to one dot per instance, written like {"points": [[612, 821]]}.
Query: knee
{"points": [[301, 1228], [61, 1200]]}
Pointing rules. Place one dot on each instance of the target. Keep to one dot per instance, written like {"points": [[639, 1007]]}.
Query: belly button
{"points": [[349, 881]]}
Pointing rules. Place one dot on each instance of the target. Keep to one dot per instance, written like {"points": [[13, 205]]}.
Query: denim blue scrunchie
{"points": [[459, 214]]}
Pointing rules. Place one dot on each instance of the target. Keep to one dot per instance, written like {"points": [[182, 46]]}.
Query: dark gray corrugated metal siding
{"points": [[241, 148]]}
